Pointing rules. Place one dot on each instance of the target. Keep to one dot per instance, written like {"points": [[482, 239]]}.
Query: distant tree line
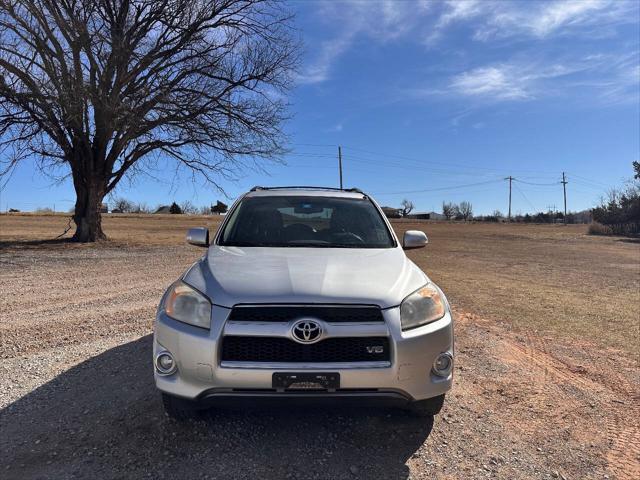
{"points": [[550, 216], [122, 205], [461, 211], [464, 211]]}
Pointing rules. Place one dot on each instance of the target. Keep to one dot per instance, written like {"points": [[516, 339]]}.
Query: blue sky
{"points": [[438, 100]]}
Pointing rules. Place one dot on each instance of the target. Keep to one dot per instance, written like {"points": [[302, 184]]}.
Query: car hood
{"points": [[237, 275]]}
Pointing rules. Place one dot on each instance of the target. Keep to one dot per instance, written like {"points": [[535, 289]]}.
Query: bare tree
{"points": [[188, 208], [449, 210], [100, 89], [142, 207], [407, 207], [465, 210], [123, 205]]}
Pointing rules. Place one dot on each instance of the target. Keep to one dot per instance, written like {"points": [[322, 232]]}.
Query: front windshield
{"points": [[298, 221]]}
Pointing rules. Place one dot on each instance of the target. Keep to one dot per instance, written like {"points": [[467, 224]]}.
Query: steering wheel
{"points": [[299, 231]]}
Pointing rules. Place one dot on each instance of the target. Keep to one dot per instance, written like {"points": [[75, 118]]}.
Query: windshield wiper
{"points": [[325, 245], [308, 243], [349, 245]]}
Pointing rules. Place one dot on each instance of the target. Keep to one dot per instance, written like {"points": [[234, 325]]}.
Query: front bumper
{"points": [[201, 375]]}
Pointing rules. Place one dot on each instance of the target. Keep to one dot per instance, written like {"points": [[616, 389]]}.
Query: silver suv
{"points": [[305, 293]]}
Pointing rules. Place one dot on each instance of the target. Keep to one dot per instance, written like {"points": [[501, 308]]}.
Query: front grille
{"points": [[279, 349], [331, 314]]}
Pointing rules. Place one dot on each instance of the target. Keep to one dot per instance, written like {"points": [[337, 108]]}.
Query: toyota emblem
{"points": [[306, 331]]}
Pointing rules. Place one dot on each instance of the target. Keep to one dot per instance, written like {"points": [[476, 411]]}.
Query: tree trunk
{"points": [[87, 217]]}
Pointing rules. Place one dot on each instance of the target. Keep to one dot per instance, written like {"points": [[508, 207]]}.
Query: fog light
{"points": [[165, 364], [443, 364]]}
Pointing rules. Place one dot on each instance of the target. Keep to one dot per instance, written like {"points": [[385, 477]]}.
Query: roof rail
{"points": [[307, 187]]}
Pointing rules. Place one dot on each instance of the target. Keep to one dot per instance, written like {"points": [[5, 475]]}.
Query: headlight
{"points": [[421, 307], [186, 304]]}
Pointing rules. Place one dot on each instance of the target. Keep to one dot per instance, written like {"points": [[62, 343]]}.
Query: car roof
{"points": [[305, 191]]}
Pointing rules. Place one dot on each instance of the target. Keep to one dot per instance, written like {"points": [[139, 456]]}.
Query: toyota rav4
{"points": [[304, 293]]}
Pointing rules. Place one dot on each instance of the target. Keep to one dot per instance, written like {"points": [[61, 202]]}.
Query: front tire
{"points": [[428, 407], [178, 408]]}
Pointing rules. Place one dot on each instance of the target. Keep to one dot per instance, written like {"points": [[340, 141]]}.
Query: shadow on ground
{"points": [[33, 244], [629, 240], [103, 419]]}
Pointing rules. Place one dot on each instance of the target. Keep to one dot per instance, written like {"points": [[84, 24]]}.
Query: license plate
{"points": [[306, 381]]}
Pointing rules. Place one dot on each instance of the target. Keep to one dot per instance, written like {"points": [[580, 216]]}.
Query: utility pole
{"points": [[510, 178], [564, 188], [340, 164]]}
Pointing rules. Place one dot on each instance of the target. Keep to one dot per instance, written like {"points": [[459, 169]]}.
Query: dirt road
{"points": [[77, 397]]}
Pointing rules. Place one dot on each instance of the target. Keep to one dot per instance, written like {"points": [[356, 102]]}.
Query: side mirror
{"points": [[414, 239], [198, 236]]}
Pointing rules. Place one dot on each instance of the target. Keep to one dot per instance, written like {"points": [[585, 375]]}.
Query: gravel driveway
{"points": [[78, 401]]}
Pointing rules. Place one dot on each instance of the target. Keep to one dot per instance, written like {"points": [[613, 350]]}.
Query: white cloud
{"points": [[380, 22], [330, 50], [338, 127], [560, 14], [389, 20], [542, 19], [609, 78], [496, 82], [454, 12]]}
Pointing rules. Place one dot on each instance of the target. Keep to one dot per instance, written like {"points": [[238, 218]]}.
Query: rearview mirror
{"points": [[414, 239], [198, 236]]}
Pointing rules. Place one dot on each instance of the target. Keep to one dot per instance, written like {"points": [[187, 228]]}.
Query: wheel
{"points": [[178, 408], [428, 407]]}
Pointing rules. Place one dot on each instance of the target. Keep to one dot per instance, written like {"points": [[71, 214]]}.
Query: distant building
{"points": [[219, 208], [427, 216], [391, 212], [163, 209]]}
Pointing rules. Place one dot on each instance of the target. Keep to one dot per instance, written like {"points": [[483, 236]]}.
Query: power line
{"points": [[376, 160], [538, 184], [402, 157], [589, 185], [315, 145], [421, 163], [404, 165], [440, 189], [594, 182], [526, 198]]}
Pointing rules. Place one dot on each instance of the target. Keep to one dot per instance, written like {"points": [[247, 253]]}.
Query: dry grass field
{"points": [[542, 278], [547, 377]]}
